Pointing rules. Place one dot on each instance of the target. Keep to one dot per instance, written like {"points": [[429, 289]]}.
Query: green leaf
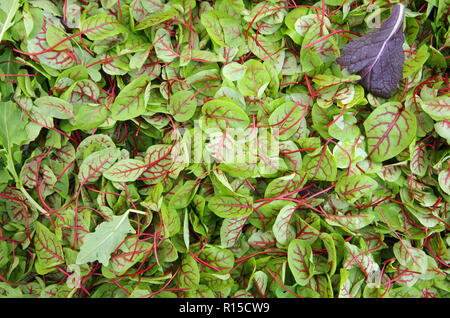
{"points": [[12, 128], [288, 119], [9, 9], [100, 244], [282, 228], [444, 180]]}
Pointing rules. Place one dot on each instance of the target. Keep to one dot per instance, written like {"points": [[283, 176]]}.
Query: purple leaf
{"points": [[377, 56]]}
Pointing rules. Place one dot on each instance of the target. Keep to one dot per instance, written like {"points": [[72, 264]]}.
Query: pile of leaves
{"points": [[109, 187]]}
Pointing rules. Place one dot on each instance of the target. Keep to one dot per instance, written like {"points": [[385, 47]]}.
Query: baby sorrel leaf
{"points": [[300, 261], [125, 170], [132, 99], [96, 164], [101, 26], [227, 206], [389, 130], [378, 56], [48, 248], [99, 245]]}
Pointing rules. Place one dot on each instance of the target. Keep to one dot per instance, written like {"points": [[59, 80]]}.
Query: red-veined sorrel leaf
{"points": [[419, 160], [351, 188], [182, 105], [220, 258], [227, 206], [352, 220], [308, 230], [303, 23], [171, 220], [48, 249], [156, 19], [188, 274], [132, 99], [93, 144], [234, 71], [287, 119], [131, 252], [438, 108], [405, 292], [98, 245], [126, 170], [330, 246], [444, 180], [442, 128], [285, 184], [38, 45], [211, 23], [74, 226], [54, 36], [282, 228], [260, 279], [357, 258], [18, 207], [231, 230], [331, 80], [54, 107], [321, 166], [163, 46], [96, 164], [292, 156], [315, 53], [82, 92], [224, 113], [255, 80], [101, 26], [262, 239], [415, 62], [184, 194], [412, 258], [389, 130], [160, 164], [300, 261], [350, 283]]}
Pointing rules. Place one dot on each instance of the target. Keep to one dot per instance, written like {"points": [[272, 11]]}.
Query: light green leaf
{"points": [[99, 245]]}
